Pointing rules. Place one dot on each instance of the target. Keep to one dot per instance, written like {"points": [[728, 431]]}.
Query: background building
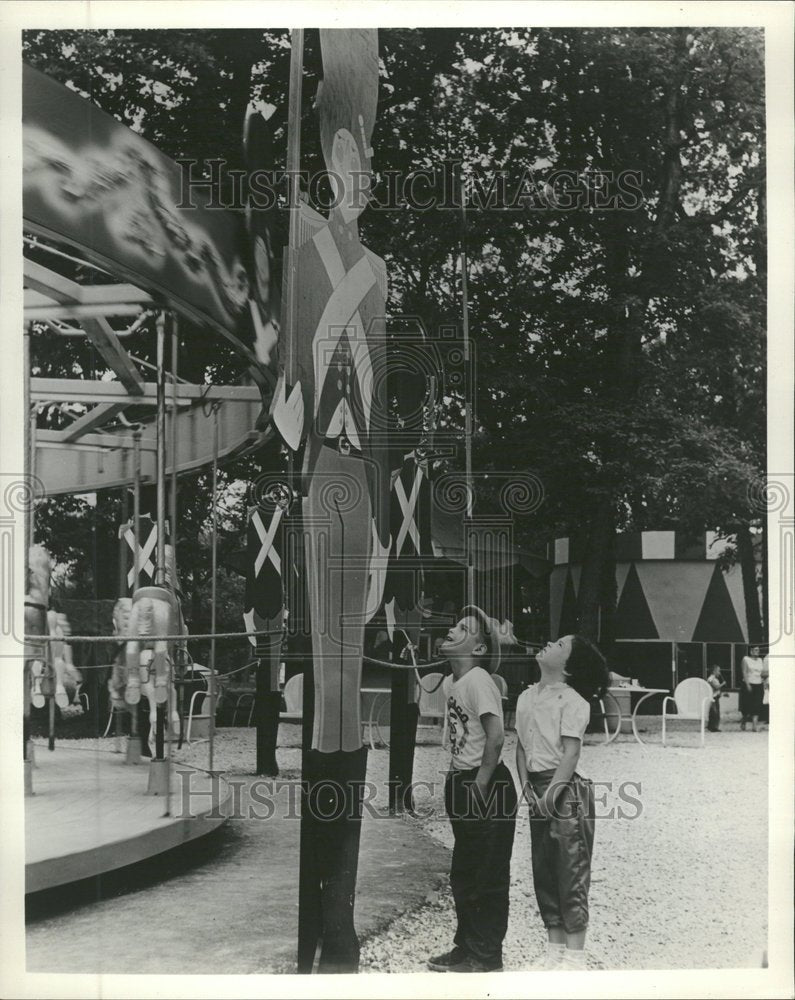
{"points": [[678, 609]]}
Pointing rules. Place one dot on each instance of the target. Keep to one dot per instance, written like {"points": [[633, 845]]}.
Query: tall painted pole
{"points": [[309, 904]]}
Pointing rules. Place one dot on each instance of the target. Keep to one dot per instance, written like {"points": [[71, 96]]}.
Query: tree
{"points": [[616, 313]]}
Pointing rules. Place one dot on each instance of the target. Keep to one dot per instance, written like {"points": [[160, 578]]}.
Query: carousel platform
{"points": [[90, 814]]}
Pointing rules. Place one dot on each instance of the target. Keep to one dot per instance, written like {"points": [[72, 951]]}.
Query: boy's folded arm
{"points": [[565, 769], [521, 770]]}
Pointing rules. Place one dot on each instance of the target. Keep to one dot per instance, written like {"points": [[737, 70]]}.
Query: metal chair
{"points": [[81, 697], [432, 703], [196, 714], [692, 699], [293, 700], [244, 700]]}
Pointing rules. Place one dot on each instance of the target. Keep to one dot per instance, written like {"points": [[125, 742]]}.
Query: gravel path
{"points": [[659, 898], [680, 865]]}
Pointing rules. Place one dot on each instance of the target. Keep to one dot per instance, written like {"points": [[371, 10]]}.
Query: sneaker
{"points": [[471, 964], [574, 960], [442, 963], [553, 957]]}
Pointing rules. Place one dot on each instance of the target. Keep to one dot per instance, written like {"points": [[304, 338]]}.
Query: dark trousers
{"points": [[713, 722], [562, 846], [480, 874]]}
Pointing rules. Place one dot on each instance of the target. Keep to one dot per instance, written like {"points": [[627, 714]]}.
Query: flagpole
{"points": [[467, 393]]}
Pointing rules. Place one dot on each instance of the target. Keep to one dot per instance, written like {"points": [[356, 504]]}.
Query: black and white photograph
{"points": [[397, 505]]}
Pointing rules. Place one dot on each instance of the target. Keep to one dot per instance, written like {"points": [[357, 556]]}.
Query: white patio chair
{"points": [[293, 699], [432, 703], [692, 698]]}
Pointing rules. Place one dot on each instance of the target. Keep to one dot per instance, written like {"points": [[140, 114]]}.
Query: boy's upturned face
{"points": [[553, 657], [463, 640]]}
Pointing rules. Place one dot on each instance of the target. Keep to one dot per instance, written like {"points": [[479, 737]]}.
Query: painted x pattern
{"points": [[267, 549], [408, 506], [145, 564]]}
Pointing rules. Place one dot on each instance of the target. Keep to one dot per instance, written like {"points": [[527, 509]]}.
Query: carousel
{"points": [[109, 258]]}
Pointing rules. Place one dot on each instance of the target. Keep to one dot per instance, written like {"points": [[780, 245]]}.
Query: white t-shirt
{"points": [[475, 694], [544, 715]]}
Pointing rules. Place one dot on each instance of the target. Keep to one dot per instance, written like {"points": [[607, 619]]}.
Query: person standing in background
{"points": [[752, 689], [717, 683], [764, 715]]}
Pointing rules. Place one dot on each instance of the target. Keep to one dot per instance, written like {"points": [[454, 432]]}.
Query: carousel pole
{"points": [[29, 431], [160, 563], [30, 435], [172, 514], [172, 518], [213, 594], [136, 436], [32, 412], [470, 583]]}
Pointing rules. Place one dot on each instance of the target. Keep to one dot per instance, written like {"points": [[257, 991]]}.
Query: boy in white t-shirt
{"points": [[480, 798], [551, 719]]}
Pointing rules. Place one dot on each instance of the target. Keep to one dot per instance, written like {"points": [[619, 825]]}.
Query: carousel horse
{"points": [[142, 666], [37, 681], [67, 677]]}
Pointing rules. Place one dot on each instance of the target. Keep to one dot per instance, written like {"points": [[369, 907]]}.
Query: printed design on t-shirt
{"points": [[459, 730]]}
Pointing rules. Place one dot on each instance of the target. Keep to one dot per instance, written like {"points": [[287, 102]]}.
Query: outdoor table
{"points": [[372, 720], [632, 689]]}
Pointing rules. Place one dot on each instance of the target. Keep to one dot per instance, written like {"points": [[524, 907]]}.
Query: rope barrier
{"points": [[410, 647], [146, 638], [237, 670], [402, 666]]}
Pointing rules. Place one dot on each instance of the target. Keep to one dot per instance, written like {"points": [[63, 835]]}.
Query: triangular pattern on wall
{"points": [[568, 612], [633, 617], [717, 621]]}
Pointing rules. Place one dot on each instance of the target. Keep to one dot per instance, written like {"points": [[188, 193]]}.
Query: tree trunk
{"points": [[601, 532], [624, 362], [608, 596], [753, 616]]}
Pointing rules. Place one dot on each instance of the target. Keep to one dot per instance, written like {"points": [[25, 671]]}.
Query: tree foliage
{"points": [[620, 346]]}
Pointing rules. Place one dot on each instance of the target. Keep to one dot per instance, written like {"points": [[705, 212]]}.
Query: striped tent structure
{"points": [[677, 612]]}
